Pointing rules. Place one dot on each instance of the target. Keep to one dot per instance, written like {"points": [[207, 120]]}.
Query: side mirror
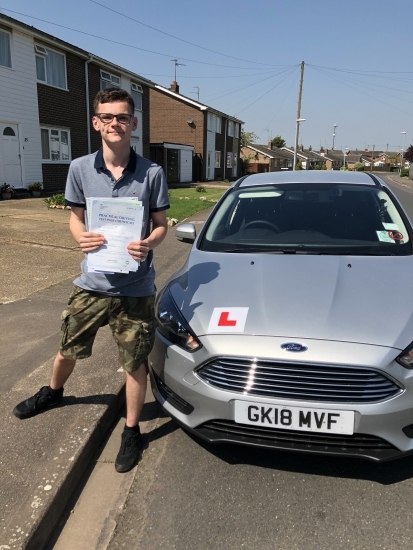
{"points": [[186, 232]]}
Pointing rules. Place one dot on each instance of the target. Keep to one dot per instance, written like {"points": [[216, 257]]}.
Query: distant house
{"points": [[266, 159], [192, 141], [46, 103]]}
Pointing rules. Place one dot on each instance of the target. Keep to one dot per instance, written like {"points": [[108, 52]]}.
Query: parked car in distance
{"points": [[290, 326]]}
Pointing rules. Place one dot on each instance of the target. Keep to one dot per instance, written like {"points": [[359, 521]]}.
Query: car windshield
{"points": [[308, 218]]}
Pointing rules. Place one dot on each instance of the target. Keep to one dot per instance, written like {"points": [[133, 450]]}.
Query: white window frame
{"points": [[137, 88], [218, 162], [236, 126], [219, 124], [109, 79], [60, 161], [231, 128], [209, 122], [11, 49], [41, 52], [229, 160]]}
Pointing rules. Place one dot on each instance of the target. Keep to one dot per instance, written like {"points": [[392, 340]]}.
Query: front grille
{"points": [[274, 379], [366, 446]]}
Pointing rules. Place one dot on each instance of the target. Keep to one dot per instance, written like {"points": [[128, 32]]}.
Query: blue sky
{"points": [[358, 55]]}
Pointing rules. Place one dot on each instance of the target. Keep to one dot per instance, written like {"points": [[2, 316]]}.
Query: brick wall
{"points": [[168, 122], [65, 109]]}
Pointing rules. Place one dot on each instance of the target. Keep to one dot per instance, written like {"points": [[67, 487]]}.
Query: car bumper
{"points": [[209, 412]]}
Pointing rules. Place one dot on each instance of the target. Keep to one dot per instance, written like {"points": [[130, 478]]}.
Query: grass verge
{"points": [[188, 201]]}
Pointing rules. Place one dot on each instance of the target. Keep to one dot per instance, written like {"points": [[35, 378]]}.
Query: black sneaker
{"points": [[130, 451], [42, 400]]}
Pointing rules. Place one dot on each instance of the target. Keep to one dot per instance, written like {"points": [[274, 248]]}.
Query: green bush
{"points": [[359, 167], [55, 200], [201, 189], [404, 173], [317, 167], [299, 166], [324, 166]]}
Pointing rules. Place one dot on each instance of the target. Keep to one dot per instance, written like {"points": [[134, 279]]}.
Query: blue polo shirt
{"points": [[89, 177]]}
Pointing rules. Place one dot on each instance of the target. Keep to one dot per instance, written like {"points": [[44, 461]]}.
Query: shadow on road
{"points": [[385, 473]]}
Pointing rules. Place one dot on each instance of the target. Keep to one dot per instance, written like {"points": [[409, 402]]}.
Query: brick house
{"points": [[193, 142], [266, 159], [46, 103]]}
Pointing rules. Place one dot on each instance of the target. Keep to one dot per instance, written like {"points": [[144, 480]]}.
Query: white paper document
{"points": [[120, 222]]}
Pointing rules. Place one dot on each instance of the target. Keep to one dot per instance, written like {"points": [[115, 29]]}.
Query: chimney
{"points": [[302, 148], [269, 145], [174, 87]]}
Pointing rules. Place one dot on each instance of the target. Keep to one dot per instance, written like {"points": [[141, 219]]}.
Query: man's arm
{"points": [[87, 241], [139, 250]]}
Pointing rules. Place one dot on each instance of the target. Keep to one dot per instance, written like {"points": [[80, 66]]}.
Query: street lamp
{"points": [[334, 134], [401, 159], [297, 129], [344, 157]]}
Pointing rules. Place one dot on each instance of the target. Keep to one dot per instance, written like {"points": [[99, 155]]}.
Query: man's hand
{"points": [[89, 242], [139, 250]]}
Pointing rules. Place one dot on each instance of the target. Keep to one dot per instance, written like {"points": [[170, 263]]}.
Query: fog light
{"points": [[170, 396]]}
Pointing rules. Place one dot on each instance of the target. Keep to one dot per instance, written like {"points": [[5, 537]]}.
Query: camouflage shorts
{"points": [[132, 321]]}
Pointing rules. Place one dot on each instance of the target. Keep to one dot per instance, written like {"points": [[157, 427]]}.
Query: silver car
{"points": [[290, 326]]}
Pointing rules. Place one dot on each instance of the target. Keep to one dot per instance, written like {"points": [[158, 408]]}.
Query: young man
{"points": [[124, 301]]}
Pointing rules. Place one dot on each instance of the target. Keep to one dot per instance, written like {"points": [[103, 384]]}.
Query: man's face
{"points": [[115, 132]]}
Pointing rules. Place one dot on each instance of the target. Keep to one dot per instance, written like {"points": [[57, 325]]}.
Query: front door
{"points": [[234, 166], [210, 166], [172, 165], [10, 148]]}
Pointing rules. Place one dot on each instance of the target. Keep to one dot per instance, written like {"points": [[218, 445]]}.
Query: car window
{"points": [[307, 217]]}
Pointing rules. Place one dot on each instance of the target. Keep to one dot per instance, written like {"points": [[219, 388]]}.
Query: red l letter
{"points": [[224, 321]]}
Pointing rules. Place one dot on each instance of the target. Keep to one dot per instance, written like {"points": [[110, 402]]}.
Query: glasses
{"points": [[106, 118]]}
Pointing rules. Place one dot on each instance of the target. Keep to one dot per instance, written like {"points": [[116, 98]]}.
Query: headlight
{"points": [[406, 357], [172, 324]]}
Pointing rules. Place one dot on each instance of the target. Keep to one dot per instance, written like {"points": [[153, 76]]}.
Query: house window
{"points": [[236, 130], [209, 122], [217, 159], [230, 128], [50, 67], [5, 50], [108, 80], [219, 124], [229, 160], [55, 145], [136, 93]]}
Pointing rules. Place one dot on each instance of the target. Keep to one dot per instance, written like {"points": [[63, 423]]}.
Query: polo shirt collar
{"points": [[130, 167]]}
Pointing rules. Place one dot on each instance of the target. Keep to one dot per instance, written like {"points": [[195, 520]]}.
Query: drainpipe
{"points": [[225, 150], [89, 147]]}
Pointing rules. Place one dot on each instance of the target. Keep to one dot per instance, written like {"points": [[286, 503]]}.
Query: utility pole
{"points": [[298, 119]]}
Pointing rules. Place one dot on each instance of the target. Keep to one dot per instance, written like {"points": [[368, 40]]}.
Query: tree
{"points": [[278, 141], [245, 165], [247, 138], [310, 148], [408, 154]]}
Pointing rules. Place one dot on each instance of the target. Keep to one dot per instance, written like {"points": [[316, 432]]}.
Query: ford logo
{"points": [[294, 346]]}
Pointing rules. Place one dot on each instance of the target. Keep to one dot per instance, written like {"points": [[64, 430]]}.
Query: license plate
{"points": [[295, 418]]}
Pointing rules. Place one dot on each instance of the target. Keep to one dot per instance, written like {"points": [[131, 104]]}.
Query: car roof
{"points": [[309, 176]]}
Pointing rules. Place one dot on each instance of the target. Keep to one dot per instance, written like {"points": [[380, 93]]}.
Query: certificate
{"points": [[120, 222]]}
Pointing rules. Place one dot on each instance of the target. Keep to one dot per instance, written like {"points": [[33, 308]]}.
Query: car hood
{"points": [[342, 298]]}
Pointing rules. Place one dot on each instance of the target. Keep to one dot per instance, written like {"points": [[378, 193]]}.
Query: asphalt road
{"points": [[188, 495]]}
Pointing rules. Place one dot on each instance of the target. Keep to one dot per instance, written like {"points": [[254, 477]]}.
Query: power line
{"points": [[176, 37], [282, 102], [270, 90], [364, 93], [129, 45], [234, 90]]}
